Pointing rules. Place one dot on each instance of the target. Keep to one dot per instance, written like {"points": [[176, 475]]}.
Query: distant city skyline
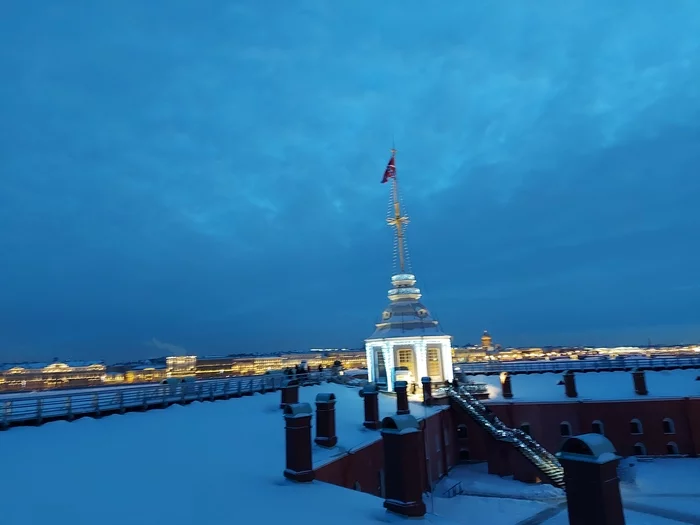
{"points": [[209, 178]]}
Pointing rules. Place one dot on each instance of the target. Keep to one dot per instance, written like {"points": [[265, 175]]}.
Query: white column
{"points": [[447, 366], [388, 351], [421, 349], [371, 372]]}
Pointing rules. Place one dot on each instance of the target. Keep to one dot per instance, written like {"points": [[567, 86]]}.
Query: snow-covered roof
{"points": [[593, 386], [207, 463], [350, 413]]}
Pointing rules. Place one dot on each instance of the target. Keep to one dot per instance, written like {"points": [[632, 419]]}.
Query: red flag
{"points": [[390, 170]]}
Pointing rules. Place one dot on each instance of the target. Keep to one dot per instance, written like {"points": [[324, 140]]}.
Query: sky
{"points": [[205, 176]]}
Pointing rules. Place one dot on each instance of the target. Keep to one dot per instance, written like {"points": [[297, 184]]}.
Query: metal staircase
{"points": [[535, 453]]}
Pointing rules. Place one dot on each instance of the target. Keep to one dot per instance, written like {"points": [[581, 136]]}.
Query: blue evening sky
{"points": [[206, 174]]}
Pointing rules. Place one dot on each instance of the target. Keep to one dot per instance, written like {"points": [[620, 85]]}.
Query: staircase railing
{"points": [[454, 490], [545, 461]]}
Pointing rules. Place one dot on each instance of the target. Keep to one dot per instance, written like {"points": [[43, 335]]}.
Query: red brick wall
{"points": [[477, 443], [442, 449], [365, 466], [545, 419]]}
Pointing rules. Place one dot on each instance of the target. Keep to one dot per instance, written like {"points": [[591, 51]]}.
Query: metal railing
{"points": [[37, 408], [495, 367], [546, 462], [454, 490]]}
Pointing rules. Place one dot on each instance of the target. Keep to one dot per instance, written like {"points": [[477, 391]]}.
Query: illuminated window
{"points": [[669, 426], [636, 427], [405, 357], [434, 368]]}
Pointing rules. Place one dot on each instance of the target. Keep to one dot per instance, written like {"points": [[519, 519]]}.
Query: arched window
{"points": [[597, 427], [669, 426], [639, 449], [357, 487], [671, 448], [461, 431], [636, 427], [525, 427], [565, 429]]}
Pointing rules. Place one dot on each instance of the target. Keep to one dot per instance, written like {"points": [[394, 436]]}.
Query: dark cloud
{"points": [[207, 175]]}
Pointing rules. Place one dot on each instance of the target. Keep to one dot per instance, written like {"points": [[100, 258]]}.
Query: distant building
{"points": [[486, 342], [44, 376], [181, 365], [151, 373]]}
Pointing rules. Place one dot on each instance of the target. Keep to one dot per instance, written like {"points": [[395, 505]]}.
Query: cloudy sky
{"points": [[205, 175]]}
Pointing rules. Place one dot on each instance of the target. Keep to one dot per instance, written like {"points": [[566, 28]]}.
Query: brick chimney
{"points": [[402, 441], [290, 392], [325, 420], [370, 393], [640, 382], [506, 387], [299, 465], [427, 390], [592, 486], [570, 384], [401, 389]]}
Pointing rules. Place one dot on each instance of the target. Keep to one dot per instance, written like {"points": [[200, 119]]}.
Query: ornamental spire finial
{"points": [[397, 220]]}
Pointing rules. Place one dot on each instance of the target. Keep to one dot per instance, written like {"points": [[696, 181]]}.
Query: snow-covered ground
{"points": [[631, 518], [468, 510], [665, 485], [476, 480], [222, 462], [205, 463], [664, 489]]}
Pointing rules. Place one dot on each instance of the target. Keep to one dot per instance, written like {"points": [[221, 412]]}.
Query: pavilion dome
{"points": [[405, 316]]}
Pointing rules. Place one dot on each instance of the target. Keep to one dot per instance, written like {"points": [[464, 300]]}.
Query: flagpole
{"points": [[398, 220]]}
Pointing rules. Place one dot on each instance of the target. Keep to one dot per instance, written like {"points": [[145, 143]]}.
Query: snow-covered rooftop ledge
{"points": [[593, 387], [516, 401], [352, 435]]}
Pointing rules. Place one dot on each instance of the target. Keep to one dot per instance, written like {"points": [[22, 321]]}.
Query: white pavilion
{"points": [[408, 342]]}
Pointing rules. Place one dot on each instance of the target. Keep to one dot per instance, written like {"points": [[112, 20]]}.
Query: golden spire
{"points": [[398, 221]]}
